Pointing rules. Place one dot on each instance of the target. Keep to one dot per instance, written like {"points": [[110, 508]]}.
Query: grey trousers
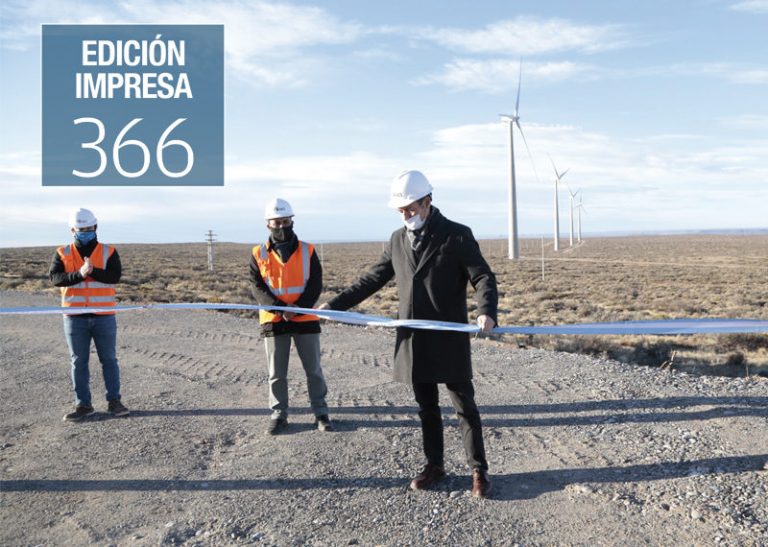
{"points": [[278, 350]]}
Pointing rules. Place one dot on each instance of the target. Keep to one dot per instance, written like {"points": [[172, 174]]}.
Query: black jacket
{"points": [[61, 278], [431, 286], [308, 298]]}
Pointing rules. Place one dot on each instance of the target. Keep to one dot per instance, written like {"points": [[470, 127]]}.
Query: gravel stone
{"points": [[583, 451]]}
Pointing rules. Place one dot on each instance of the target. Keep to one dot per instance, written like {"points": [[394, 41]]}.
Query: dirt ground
{"points": [[583, 451], [599, 280]]}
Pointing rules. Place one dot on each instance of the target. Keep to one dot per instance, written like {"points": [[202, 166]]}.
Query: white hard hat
{"points": [[82, 218], [277, 208], [407, 187]]}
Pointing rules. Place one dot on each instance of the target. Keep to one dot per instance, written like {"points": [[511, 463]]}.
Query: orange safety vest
{"points": [[286, 281], [88, 292]]}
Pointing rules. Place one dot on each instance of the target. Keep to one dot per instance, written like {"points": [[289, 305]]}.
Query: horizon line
{"points": [[484, 237]]}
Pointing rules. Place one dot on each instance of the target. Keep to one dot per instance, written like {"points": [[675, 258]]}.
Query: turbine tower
{"points": [[558, 177], [580, 206], [514, 120], [572, 196]]}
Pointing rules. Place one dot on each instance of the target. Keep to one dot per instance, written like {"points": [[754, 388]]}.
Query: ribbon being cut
{"points": [[654, 327]]}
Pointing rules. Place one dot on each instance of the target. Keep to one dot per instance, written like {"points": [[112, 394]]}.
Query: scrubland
{"points": [[602, 279]]}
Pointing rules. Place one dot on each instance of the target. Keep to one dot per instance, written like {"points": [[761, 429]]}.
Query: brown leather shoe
{"points": [[481, 484], [431, 475]]}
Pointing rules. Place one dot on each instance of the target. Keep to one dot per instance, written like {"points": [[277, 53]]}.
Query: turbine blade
{"points": [[530, 156], [564, 172], [553, 166], [519, 80]]}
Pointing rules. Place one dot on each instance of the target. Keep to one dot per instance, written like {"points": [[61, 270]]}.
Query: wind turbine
{"points": [[580, 206], [514, 120], [558, 177], [572, 195]]}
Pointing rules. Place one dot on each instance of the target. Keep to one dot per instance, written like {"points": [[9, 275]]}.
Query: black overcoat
{"points": [[434, 288]]}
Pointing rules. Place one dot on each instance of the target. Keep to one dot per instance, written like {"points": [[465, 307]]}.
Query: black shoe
{"points": [[276, 425], [79, 413], [323, 423], [117, 408]]}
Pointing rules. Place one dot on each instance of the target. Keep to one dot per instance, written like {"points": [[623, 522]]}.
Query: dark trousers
{"points": [[463, 398]]}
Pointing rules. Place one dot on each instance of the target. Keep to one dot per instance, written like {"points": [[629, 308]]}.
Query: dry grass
{"points": [[607, 279]]}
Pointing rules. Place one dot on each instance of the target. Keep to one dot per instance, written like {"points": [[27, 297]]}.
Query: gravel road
{"points": [[582, 451]]}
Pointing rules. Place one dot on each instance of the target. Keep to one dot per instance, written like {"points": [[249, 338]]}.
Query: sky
{"points": [[657, 109]]}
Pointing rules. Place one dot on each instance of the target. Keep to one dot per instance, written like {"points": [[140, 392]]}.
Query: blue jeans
{"points": [[79, 331]]}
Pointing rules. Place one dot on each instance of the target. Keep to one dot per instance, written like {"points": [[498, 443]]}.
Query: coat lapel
{"points": [[410, 256], [435, 239]]}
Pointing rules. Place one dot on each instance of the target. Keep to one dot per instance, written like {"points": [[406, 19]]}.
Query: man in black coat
{"points": [[432, 259]]}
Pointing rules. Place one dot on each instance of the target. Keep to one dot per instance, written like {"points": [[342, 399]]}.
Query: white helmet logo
{"points": [[277, 208], [407, 187]]}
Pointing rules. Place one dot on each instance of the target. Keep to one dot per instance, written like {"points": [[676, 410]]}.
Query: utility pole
{"points": [[210, 238]]}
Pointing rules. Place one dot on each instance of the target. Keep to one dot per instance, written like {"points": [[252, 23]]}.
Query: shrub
{"points": [[736, 359], [745, 341]]}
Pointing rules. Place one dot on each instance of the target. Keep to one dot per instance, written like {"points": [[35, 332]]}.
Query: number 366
{"points": [[162, 144]]}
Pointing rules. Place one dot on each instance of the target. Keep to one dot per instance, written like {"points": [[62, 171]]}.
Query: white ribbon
{"points": [[663, 327]]}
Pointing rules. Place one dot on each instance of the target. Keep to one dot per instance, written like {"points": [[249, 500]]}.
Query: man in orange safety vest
{"points": [[87, 271], [285, 271]]}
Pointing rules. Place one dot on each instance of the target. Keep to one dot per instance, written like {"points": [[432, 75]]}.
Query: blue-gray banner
{"points": [[133, 105]]}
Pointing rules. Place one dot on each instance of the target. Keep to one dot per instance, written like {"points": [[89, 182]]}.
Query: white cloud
{"points": [[268, 42], [750, 76], [378, 54], [529, 36], [746, 121], [20, 171], [682, 181], [327, 178], [751, 6], [21, 21], [501, 75], [265, 41], [733, 72], [320, 187]]}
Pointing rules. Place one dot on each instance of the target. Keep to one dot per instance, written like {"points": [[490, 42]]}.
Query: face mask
{"points": [[414, 223], [85, 237], [282, 234]]}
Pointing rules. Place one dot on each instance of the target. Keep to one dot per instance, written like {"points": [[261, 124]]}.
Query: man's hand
{"points": [[485, 323], [288, 315], [86, 268], [324, 306]]}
